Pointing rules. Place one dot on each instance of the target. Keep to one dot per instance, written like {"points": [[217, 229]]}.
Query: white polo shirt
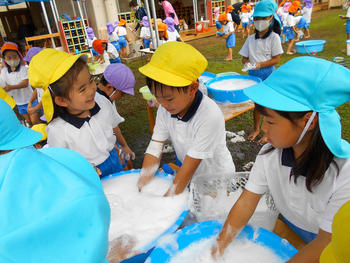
{"points": [[122, 31], [245, 17], [173, 36], [112, 51], [113, 36], [307, 13], [145, 32], [92, 137], [228, 28], [306, 210], [290, 21], [21, 96], [201, 137], [261, 49]]}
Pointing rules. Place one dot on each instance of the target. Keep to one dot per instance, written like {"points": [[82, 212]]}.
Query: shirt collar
{"points": [[264, 36], [288, 157], [193, 108], [16, 69], [79, 122]]}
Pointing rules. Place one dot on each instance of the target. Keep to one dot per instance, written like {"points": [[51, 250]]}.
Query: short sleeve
{"points": [[119, 119], [2, 79], [276, 46], [245, 49], [109, 109], [160, 131], [257, 182], [340, 196]]}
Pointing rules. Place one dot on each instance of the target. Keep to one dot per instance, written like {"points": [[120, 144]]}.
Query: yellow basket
{"points": [[146, 93]]}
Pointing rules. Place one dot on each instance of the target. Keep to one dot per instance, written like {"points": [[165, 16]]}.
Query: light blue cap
{"points": [[13, 134], [309, 84], [53, 208], [266, 8]]}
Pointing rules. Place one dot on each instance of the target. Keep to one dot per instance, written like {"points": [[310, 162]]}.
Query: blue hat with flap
{"points": [[266, 8], [309, 84]]}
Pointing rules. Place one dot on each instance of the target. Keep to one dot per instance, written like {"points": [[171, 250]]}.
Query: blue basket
{"points": [[204, 230], [149, 247], [310, 46], [233, 96]]}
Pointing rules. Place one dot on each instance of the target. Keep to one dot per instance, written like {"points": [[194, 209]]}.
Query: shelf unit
{"points": [[129, 17], [211, 4], [73, 36]]}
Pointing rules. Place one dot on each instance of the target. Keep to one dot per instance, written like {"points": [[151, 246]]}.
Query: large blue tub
{"points": [[310, 46]]}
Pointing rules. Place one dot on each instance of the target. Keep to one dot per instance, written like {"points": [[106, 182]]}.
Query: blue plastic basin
{"points": [[149, 247], [194, 233], [206, 76], [233, 96], [310, 46]]}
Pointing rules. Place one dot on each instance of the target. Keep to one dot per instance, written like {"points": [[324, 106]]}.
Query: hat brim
{"points": [[25, 137], [164, 77], [266, 96], [327, 255]]}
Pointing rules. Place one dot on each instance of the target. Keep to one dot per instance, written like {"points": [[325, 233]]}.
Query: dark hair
{"points": [[103, 81], [315, 160], [133, 3], [160, 86], [172, 15], [63, 86]]}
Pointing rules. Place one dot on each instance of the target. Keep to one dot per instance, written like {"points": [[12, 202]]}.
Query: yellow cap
{"points": [[175, 64], [337, 250], [45, 68], [42, 129], [7, 98]]}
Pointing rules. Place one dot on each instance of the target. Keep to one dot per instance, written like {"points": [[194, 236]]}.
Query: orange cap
{"points": [[223, 17], [296, 4], [244, 9], [249, 7], [163, 28], [122, 22], [10, 46], [97, 46], [292, 9], [230, 8]]}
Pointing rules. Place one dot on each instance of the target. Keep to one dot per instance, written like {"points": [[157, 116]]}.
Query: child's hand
{"points": [[128, 153], [30, 109], [121, 248], [216, 251], [143, 180], [7, 88], [257, 66]]}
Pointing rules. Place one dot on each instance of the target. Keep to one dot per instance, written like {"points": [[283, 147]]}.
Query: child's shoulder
{"points": [[209, 110]]}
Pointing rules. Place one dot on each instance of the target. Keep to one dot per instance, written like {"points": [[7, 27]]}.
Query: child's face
{"points": [[161, 33], [81, 96], [280, 131], [174, 101], [108, 89]]}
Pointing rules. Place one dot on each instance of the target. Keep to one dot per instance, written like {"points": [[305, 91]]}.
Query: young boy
{"points": [[193, 122], [229, 34], [103, 48]]}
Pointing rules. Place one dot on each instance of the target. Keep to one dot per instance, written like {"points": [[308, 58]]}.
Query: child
{"points": [[107, 50], [15, 77], [291, 31], [145, 33], [262, 49], [123, 39], [229, 35], [170, 12], [173, 35], [306, 165], [163, 34], [307, 13], [113, 36], [229, 9], [90, 39], [37, 93], [245, 17], [79, 118], [193, 122], [347, 17]]}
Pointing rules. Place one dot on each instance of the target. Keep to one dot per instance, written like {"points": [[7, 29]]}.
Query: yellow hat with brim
{"points": [[45, 68], [337, 250], [7, 98], [175, 64], [41, 127]]}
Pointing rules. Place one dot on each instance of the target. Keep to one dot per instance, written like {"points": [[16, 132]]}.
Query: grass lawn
{"points": [[325, 25]]}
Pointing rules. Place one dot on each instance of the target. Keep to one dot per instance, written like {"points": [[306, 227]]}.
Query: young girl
{"points": [[90, 39], [113, 36], [79, 118], [291, 31], [245, 17], [14, 76], [107, 50], [123, 39], [229, 9], [306, 166], [173, 35], [262, 49], [145, 33], [163, 34], [229, 35]]}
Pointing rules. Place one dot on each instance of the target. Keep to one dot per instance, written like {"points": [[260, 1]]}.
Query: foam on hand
{"points": [[232, 84], [141, 216]]}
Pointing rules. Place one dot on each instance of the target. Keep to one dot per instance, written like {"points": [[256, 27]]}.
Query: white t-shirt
{"points": [[307, 13], [21, 96], [94, 139], [306, 210], [297, 20], [112, 51], [173, 36], [284, 18], [290, 21], [201, 137], [39, 93], [228, 28], [113, 36], [122, 31], [245, 17], [229, 17], [261, 50], [145, 32]]}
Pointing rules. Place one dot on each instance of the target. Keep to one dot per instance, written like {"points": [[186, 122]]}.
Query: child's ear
{"points": [[314, 121], [60, 101], [193, 88]]}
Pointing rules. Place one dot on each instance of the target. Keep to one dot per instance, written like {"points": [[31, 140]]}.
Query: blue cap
{"points": [[309, 84], [13, 134], [53, 208], [266, 8]]}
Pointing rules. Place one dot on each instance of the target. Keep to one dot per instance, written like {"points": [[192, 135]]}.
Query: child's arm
{"points": [[23, 84], [121, 140], [273, 61], [184, 176], [32, 98], [238, 217], [312, 251], [227, 35]]}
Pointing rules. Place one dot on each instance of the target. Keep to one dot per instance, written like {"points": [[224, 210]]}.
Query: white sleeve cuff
{"points": [[326, 225], [200, 155], [255, 188]]}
